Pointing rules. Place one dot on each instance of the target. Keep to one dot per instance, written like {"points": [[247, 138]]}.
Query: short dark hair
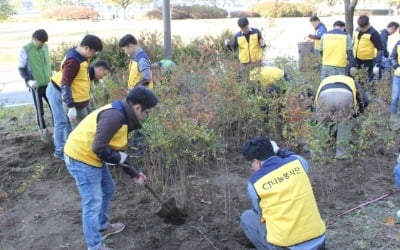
{"points": [[93, 42], [243, 22], [40, 35], [127, 39], [314, 19], [363, 21], [339, 23], [103, 64], [259, 148], [393, 24], [143, 96]]}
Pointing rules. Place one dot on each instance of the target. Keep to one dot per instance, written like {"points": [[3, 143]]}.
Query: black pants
{"points": [[41, 91], [367, 64]]}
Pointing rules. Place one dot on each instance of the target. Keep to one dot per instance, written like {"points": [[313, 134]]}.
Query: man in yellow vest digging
{"points": [[339, 99], [250, 44], [284, 213], [367, 47], [139, 65], [336, 48], [101, 139]]}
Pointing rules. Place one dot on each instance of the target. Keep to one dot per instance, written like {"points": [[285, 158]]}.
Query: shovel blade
{"points": [[170, 213], [166, 208]]}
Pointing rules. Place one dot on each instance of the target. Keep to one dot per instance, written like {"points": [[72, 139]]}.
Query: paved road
{"points": [[13, 91]]}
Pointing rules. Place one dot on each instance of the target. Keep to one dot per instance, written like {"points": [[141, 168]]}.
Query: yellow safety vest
{"points": [[266, 75], [397, 71], [363, 49], [288, 206], [135, 76], [80, 86], [334, 47], [317, 44], [80, 140], [348, 81], [249, 51]]}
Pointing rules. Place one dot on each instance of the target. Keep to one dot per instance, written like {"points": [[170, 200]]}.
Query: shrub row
{"points": [[279, 9], [68, 12], [186, 12], [205, 114], [248, 13]]}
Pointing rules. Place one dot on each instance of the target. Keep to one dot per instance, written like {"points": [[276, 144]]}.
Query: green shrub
{"points": [[154, 14], [6, 10], [67, 12], [58, 54], [280, 9], [248, 13], [187, 12], [202, 12], [113, 54]]}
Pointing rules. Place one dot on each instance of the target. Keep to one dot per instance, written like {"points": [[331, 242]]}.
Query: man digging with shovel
{"points": [[98, 140], [35, 68]]}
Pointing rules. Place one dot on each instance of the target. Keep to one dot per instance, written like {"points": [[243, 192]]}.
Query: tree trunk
{"points": [[349, 8]]}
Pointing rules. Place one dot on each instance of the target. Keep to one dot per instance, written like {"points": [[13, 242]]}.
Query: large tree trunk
{"points": [[349, 8]]}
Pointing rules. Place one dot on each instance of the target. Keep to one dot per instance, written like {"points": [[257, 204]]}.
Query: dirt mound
{"points": [[42, 206]]}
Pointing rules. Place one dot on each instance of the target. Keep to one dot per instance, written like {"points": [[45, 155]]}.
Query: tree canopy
{"points": [[6, 10]]}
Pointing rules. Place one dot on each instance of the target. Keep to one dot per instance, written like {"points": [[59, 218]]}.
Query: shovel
{"points": [[168, 210], [44, 134]]}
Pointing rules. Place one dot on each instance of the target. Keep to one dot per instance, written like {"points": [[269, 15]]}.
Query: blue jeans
{"points": [[256, 232], [96, 188], [62, 126], [396, 174], [394, 104]]}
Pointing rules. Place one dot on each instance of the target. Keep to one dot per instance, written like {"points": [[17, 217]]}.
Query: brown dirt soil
{"points": [[40, 205]]}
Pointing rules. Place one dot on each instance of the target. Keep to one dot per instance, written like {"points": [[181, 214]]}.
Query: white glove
{"points": [[375, 70], [226, 42], [275, 146], [123, 157], [262, 43], [32, 84], [353, 71], [72, 114], [397, 71], [141, 179]]}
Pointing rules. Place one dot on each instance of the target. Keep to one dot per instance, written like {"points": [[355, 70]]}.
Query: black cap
{"points": [[259, 148], [143, 96], [243, 22], [103, 64]]}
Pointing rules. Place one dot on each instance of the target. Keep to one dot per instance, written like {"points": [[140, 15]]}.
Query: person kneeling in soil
{"points": [[339, 99], [162, 70], [284, 214], [100, 139], [268, 78]]}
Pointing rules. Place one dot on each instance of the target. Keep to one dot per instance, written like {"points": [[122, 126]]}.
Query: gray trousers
{"points": [[256, 232], [331, 70], [335, 105]]}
